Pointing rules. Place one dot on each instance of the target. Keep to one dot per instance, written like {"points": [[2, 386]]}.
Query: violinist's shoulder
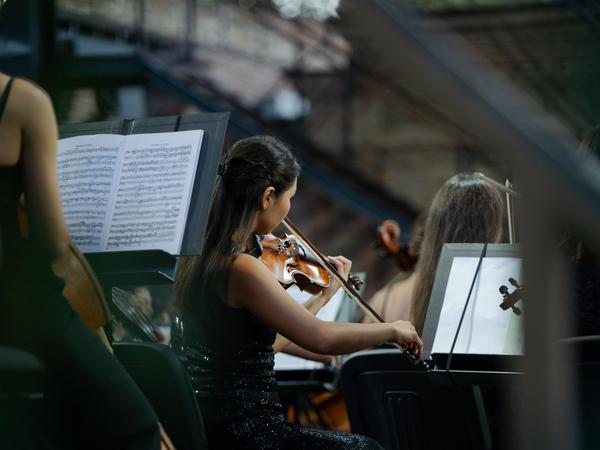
{"points": [[245, 265], [249, 276]]}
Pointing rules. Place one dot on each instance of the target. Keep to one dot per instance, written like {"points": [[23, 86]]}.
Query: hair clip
{"points": [[223, 169]]}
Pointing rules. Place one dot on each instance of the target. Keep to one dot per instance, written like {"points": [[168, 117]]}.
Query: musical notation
{"points": [[128, 192]]}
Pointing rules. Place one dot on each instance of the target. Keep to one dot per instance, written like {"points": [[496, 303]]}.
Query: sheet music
{"points": [[128, 192], [486, 328], [87, 172]]}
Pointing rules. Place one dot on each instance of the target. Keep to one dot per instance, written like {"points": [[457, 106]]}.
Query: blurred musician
{"points": [[233, 307], [466, 209], [92, 403]]}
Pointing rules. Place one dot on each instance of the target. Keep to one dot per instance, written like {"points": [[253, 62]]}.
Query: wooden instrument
{"points": [[350, 290], [388, 238], [291, 264], [82, 288]]}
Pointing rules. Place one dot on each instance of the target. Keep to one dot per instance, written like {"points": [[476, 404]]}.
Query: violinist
{"points": [[91, 401], [234, 310], [466, 209], [393, 301]]}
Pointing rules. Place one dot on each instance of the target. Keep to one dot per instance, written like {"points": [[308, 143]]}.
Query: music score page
{"points": [[486, 328], [128, 192]]}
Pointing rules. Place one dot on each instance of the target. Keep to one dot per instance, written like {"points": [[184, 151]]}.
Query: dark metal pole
{"points": [[190, 28]]}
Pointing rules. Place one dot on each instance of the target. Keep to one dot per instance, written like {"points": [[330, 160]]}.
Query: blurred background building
{"points": [[372, 145]]}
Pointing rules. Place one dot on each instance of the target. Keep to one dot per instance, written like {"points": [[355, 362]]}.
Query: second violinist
{"points": [[233, 308]]}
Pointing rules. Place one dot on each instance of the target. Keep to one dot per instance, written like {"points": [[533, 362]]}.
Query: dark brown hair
{"points": [[465, 209], [252, 165]]}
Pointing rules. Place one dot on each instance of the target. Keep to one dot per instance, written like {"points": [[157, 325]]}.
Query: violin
{"points": [[82, 289], [291, 264], [388, 238], [345, 284]]}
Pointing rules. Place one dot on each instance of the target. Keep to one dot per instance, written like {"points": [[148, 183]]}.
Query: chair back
{"points": [[585, 352], [394, 402], [161, 376]]}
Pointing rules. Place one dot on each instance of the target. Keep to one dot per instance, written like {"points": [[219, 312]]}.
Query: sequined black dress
{"points": [[229, 356]]}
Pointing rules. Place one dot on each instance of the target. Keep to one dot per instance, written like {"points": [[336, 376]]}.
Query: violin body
{"points": [[291, 264], [82, 289]]}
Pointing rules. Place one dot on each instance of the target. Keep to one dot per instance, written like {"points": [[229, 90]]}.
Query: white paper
{"points": [[128, 192], [486, 328]]}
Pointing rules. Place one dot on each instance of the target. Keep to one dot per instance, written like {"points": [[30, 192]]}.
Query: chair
{"points": [[161, 376], [21, 373], [22, 387], [390, 400], [585, 353]]}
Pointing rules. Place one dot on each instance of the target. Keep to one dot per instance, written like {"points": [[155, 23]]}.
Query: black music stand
{"points": [[157, 266], [468, 368]]}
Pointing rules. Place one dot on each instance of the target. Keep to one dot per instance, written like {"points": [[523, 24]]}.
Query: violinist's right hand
{"points": [[406, 336]]}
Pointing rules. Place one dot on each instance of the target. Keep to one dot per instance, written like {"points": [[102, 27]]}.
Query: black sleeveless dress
{"points": [[91, 402], [229, 357]]}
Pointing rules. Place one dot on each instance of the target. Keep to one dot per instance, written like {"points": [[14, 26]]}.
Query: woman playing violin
{"points": [[234, 310], [92, 403]]}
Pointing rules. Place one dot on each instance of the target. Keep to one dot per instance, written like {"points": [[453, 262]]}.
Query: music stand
{"points": [[156, 266], [489, 339]]}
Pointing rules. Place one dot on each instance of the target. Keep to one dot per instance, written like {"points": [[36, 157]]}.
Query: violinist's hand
{"points": [[391, 228], [343, 266], [407, 337]]}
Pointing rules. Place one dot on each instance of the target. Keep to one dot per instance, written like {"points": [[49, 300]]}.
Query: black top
{"points": [[24, 274], [230, 361]]}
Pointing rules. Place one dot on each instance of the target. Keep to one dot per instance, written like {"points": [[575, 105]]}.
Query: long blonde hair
{"points": [[465, 209]]}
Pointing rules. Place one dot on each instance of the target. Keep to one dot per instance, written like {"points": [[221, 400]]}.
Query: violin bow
{"points": [[511, 194], [352, 293], [510, 214]]}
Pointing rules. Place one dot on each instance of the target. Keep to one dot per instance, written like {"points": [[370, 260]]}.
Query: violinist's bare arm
{"points": [[252, 286], [39, 131], [316, 302], [295, 350]]}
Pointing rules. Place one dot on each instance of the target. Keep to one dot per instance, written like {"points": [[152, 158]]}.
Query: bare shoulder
{"points": [[249, 279], [28, 90], [246, 267], [32, 100]]}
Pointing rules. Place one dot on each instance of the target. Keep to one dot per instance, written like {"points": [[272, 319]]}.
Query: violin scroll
{"points": [[510, 298], [388, 239]]}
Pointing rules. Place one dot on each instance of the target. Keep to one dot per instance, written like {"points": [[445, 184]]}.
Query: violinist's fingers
{"points": [[418, 344], [337, 264], [392, 227], [346, 263], [342, 265]]}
